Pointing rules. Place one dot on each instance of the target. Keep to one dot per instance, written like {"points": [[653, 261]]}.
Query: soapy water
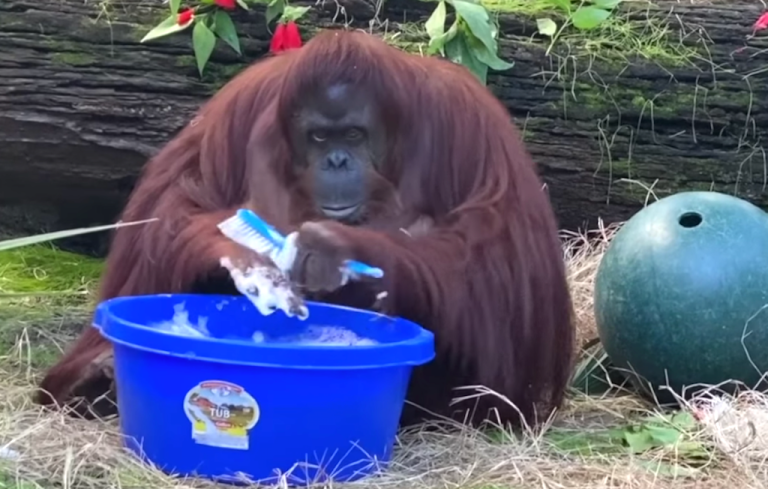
{"points": [[181, 326], [314, 335], [318, 336]]}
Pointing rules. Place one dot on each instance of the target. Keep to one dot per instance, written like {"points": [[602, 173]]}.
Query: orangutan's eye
{"points": [[318, 136], [354, 134]]}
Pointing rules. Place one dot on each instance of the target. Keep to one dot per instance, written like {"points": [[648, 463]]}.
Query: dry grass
{"points": [[616, 441], [582, 254]]}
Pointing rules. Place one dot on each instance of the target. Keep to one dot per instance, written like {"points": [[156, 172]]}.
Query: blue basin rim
{"points": [[417, 349]]}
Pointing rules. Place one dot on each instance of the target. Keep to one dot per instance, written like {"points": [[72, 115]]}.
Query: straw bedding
{"points": [[612, 441]]}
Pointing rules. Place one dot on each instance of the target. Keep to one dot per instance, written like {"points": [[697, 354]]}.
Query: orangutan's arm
{"points": [[145, 259], [150, 259], [153, 259], [486, 292], [198, 249], [422, 272]]}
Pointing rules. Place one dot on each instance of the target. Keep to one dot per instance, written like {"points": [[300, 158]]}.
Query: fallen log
{"points": [[662, 98]]}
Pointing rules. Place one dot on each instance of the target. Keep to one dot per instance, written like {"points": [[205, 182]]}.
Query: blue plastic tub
{"points": [[308, 413]]}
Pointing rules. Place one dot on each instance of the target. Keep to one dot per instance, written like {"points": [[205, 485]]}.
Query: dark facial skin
{"points": [[338, 139]]}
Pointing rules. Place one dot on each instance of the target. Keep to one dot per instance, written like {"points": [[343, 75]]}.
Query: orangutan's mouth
{"points": [[340, 212]]}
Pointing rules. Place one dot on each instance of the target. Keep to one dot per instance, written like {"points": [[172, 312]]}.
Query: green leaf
{"points": [[203, 42], [586, 18], [165, 28], [478, 21], [226, 30], [242, 4], [492, 60], [435, 25], [692, 450], [291, 13], [483, 55], [457, 51], [586, 443], [437, 44], [684, 420], [274, 10], [174, 5], [41, 238], [663, 435], [606, 4], [546, 26], [564, 5], [638, 442]]}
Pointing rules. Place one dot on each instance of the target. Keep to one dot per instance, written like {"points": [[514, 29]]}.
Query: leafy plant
{"points": [[280, 10], [471, 40], [671, 432], [587, 15], [663, 432], [211, 20]]}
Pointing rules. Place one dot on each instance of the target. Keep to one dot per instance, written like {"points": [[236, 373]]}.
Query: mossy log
{"points": [[668, 96]]}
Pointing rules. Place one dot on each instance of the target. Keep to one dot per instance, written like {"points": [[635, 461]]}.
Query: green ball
{"points": [[681, 294]]}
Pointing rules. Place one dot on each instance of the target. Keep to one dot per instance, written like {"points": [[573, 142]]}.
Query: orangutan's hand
{"points": [[320, 257], [257, 278]]}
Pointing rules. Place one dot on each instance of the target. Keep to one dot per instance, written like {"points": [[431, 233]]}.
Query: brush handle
{"points": [[360, 268], [260, 226], [278, 240]]}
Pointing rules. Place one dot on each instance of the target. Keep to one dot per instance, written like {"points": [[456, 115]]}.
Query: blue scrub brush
{"points": [[247, 229]]}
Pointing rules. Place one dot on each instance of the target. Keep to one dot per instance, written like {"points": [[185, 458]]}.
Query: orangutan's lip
{"points": [[340, 212]]}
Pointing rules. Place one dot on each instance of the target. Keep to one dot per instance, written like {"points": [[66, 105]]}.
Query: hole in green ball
{"points": [[690, 219]]}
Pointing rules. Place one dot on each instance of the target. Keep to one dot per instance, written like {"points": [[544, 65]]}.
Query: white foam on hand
{"points": [[285, 257], [267, 287]]}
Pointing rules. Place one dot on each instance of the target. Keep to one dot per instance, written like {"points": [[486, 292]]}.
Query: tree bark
{"points": [[678, 102]]}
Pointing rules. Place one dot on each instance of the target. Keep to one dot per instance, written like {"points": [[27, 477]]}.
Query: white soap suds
{"points": [[267, 288], [313, 335], [180, 324], [285, 258], [319, 336], [259, 337]]}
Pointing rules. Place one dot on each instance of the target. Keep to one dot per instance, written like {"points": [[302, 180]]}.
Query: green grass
{"points": [[44, 270], [617, 38], [524, 7], [10, 481], [44, 301], [33, 336]]}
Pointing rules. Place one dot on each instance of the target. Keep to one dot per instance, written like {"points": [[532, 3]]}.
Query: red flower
{"points": [[276, 44], [762, 22], [185, 16], [292, 36], [226, 4], [286, 36]]}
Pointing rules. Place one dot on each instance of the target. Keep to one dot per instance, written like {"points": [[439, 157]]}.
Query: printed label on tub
{"points": [[221, 414]]}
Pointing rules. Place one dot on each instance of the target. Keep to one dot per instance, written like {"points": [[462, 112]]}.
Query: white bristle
{"points": [[239, 232]]}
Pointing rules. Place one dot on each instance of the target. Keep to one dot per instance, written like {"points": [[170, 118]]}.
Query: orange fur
{"points": [[486, 275]]}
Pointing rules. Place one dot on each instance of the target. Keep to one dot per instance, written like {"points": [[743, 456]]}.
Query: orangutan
{"points": [[403, 162]]}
